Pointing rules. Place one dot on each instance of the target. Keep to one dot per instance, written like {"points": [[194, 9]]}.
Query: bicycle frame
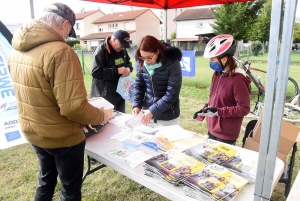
{"points": [[257, 82]]}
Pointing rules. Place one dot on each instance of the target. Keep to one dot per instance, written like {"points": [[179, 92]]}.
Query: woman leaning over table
{"points": [[229, 99], [158, 82]]}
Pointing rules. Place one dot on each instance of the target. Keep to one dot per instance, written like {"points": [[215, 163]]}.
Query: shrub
{"points": [[77, 46], [256, 47], [72, 42]]}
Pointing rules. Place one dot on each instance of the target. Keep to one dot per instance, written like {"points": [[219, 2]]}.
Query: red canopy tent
{"points": [[166, 4]]}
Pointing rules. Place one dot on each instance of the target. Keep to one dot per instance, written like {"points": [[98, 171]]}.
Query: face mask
{"points": [[215, 66]]}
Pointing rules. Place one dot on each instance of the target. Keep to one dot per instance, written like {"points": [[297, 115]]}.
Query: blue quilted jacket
{"points": [[160, 92]]}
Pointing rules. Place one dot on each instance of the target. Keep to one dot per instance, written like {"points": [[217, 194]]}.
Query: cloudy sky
{"points": [[17, 11]]}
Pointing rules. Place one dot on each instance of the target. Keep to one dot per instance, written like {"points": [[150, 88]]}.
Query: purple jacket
{"points": [[231, 96]]}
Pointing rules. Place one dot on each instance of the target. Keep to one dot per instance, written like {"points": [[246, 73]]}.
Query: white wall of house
{"points": [[194, 27], [147, 24], [88, 26], [79, 27], [113, 26]]}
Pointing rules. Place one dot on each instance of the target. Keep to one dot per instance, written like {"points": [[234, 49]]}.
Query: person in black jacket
{"points": [[110, 62], [158, 82]]}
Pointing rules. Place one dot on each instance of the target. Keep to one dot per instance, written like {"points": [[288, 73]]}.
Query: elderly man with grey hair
{"points": [[52, 100]]}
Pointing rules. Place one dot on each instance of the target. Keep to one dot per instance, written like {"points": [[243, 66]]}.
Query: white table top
{"points": [[98, 144], [295, 191]]}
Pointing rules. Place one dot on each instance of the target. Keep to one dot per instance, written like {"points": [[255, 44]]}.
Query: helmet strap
{"points": [[227, 62]]}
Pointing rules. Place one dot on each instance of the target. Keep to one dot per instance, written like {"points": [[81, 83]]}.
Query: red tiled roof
{"points": [[195, 14], [85, 14], [101, 35], [121, 16]]}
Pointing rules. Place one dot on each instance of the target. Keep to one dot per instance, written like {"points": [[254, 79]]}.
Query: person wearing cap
{"points": [[110, 62], [52, 100], [229, 99]]}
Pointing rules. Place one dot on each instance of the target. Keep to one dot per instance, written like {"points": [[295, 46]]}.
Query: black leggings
{"points": [[210, 136]]}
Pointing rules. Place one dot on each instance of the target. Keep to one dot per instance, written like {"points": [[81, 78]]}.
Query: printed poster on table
{"points": [[10, 134]]}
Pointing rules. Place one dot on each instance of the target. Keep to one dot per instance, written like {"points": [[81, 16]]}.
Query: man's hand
{"points": [[105, 116], [136, 111], [147, 116], [124, 71]]}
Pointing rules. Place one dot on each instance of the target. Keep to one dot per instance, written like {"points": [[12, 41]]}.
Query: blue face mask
{"points": [[215, 66]]}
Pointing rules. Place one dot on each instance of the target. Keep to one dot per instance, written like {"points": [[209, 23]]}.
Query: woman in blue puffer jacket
{"points": [[158, 82]]}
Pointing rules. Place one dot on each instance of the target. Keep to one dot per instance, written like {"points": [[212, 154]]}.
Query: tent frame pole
{"points": [[273, 110]]}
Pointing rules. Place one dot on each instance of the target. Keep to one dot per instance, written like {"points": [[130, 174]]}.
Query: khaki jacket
{"points": [[49, 87]]}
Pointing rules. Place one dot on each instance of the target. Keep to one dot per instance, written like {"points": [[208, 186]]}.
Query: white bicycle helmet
{"points": [[219, 46]]}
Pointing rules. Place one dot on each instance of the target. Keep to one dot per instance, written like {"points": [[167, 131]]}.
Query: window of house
{"points": [[109, 26], [77, 26], [116, 25], [126, 26], [113, 25], [199, 24], [85, 42], [100, 28]]}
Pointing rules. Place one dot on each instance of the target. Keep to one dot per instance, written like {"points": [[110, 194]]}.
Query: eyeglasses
{"points": [[147, 58]]}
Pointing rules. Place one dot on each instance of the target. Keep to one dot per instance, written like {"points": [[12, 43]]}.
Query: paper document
{"points": [[135, 124]]}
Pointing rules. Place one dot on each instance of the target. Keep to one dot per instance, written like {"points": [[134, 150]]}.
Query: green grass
{"points": [[19, 165]]}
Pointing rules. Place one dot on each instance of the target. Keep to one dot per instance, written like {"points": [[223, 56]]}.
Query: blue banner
{"points": [[10, 134], [188, 63]]}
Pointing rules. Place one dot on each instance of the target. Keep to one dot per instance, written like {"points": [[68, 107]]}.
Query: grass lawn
{"points": [[19, 165]]}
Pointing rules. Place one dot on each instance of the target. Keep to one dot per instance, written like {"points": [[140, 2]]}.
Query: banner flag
{"points": [[188, 63], [10, 134]]}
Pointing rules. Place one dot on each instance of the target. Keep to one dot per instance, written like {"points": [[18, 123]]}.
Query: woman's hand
{"points": [[147, 116], [136, 111]]}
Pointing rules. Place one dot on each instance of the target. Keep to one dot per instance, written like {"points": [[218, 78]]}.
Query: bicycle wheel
{"points": [[291, 113], [291, 90]]}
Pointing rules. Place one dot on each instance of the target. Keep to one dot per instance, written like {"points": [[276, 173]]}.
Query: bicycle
{"points": [[292, 87], [292, 105]]}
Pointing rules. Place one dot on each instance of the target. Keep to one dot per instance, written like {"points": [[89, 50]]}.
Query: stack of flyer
{"points": [[172, 166], [243, 165], [213, 183], [211, 151]]}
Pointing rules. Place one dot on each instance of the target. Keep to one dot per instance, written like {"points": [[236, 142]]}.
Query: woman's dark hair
{"points": [[149, 44]]}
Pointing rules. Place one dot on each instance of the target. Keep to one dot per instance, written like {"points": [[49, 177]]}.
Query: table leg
{"points": [[89, 170]]}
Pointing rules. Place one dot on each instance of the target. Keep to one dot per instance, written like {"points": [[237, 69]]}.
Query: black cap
{"points": [[123, 37], [65, 12]]}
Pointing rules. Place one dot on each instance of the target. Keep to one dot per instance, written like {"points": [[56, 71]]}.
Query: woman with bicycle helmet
{"points": [[229, 99]]}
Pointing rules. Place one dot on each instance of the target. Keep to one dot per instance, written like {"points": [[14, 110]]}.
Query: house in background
{"points": [[192, 27], [138, 23], [83, 25], [171, 25]]}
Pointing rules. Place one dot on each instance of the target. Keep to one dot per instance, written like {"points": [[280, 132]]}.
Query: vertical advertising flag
{"points": [[188, 63], [10, 134]]}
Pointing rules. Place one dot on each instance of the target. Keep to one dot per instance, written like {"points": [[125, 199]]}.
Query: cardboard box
{"points": [[101, 102], [289, 135]]}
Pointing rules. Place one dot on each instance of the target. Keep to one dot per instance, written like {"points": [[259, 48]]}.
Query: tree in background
{"points": [[296, 36], [236, 18], [173, 35], [261, 28]]}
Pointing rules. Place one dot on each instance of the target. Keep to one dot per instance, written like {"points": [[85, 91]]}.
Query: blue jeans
{"points": [[67, 163]]}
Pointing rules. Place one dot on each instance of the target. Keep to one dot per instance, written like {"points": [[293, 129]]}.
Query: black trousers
{"points": [[67, 163], [210, 136]]}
